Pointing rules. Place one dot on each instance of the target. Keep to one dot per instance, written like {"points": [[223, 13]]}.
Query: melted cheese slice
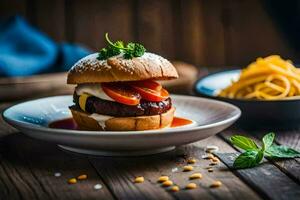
{"points": [[99, 118], [82, 101], [92, 89]]}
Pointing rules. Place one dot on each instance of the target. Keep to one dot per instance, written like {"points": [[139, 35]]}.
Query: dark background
{"points": [[201, 32]]}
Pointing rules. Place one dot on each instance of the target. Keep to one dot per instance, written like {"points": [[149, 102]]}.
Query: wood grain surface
{"points": [[27, 168], [203, 33]]}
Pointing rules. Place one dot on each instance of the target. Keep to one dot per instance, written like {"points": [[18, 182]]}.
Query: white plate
{"points": [[209, 116]]}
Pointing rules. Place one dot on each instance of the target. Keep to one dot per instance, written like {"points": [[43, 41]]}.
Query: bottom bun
{"points": [[85, 122]]}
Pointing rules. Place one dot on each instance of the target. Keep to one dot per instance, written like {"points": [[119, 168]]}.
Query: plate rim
{"points": [[21, 125], [201, 94]]}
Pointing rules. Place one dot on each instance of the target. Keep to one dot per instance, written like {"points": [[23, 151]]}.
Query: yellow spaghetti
{"points": [[269, 78]]}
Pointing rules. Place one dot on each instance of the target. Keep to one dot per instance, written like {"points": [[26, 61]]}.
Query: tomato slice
{"points": [[121, 93], [152, 95], [150, 84]]}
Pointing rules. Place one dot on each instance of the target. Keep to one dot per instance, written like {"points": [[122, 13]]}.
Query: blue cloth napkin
{"points": [[26, 51]]}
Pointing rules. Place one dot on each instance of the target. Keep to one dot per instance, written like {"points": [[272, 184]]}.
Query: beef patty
{"points": [[112, 108]]}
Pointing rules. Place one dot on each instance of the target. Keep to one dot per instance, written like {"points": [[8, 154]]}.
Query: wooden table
{"points": [[28, 167]]}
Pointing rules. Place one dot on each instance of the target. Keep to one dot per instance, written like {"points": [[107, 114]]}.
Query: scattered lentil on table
{"points": [[72, 181], [163, 179], [191, 186], [139, 179], [216, 184], [196, 176], [167, 183], [191, 161], [209, 156], [175, 188], [188, 168], [215, 159], [82, 177]]}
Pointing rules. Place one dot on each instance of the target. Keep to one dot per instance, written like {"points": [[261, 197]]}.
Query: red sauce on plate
{"points": [[70, 124], [178, 121]]}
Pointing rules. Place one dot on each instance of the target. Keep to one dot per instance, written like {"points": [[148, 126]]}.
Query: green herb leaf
{"points": [[119, 44], [276, 151], [253, 155], [130, 45], [128, 55], [134, 50], [268, 140], [102, 54], [260, 156], [138, 50], [115, 48], [113, 51], [249, 158], [243, 142]]}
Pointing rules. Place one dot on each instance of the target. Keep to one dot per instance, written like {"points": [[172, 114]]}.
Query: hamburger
{"points": [[117, 89]]}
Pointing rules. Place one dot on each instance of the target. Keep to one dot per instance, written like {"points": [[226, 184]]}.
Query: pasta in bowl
{"points": [[267, 91], [270, 78]]}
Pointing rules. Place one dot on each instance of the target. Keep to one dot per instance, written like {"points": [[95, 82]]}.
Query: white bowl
{"points": [[209, 116]]}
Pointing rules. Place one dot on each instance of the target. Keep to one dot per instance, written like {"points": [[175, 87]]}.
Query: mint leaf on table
{"points": [[260, 156], [276, 151], [248, 159], [254, 155], [243, 142], [268, 140]]}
